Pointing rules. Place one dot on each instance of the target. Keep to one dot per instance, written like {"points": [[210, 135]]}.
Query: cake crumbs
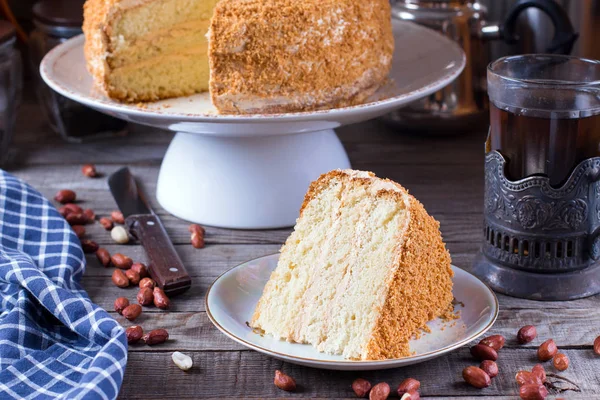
{"points": [[451, 314], [459, 303], [258, 331]]}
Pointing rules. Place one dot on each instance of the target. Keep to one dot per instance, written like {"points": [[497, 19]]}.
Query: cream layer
{"points": [[132, 20], [197, 52], [160, 43]]}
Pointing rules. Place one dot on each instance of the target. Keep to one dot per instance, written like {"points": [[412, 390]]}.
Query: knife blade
{"points": [[165, 265]]}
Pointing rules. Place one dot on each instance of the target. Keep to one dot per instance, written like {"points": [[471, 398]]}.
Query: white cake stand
{"points": [[252, 172]]}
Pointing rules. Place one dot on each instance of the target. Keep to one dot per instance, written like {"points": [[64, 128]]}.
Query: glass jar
{"points": [[56, 21], [10, 86]]}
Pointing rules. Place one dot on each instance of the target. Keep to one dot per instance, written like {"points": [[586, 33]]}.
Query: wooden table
{"points": [[445, 173]]}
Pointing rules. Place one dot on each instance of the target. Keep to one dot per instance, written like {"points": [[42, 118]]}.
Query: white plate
{"points": [[231, 299], [423, 62]]}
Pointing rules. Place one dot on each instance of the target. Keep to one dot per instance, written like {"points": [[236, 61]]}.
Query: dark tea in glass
{"points": [[544, 114]]}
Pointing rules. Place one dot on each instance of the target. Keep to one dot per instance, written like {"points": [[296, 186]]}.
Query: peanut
{"points": [[539, 373], [132, 311], [183, 361], [490, 368], [145, 296], [414, 395], [160, 299], [526, 334], [140, 269], [89, 246], [90, 215], [119, 279], [134, 277], [476, 377], [120, 304], [106, 223], [121, 261], [284, 382], [103, 256], [79, 230], [76, 219], [147, 282], [157, 336], [533, 392], [547, 350], [381, 391], [65, 196], [117, 217], [496, 342], [482, 352], [73, 208], [561, 361], [196, 228], [408, 385], [119, 235], [197, 240], [134, 334], [89, 170], [361, 387]]}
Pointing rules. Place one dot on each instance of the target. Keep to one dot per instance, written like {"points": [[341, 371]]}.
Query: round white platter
{"points": [[231, 299], [251, 171]]}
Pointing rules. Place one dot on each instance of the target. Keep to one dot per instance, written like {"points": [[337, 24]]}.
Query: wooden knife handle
{"points": [[166, 268]]}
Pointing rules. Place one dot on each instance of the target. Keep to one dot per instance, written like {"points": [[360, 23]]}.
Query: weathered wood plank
{"points": [[445, 173], [209, 262], [435, 187], [193, 331], [98, 283], [364, 143], [69, 176], [213, 260], [249, 374], [456, 227]]}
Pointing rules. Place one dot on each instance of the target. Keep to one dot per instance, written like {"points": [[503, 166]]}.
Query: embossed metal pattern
{"points": [[532, 226]]}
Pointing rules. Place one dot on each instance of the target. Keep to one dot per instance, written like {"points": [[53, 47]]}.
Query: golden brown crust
{"points": [[95, 14], [421, 288], [270, 56], [289, 55]]}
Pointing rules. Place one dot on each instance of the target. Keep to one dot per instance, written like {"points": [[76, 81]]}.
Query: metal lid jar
{"points": [[55, 22], [10, 86]]}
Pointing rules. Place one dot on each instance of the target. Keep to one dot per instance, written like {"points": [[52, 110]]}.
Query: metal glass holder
{"points": [[540, 242]]}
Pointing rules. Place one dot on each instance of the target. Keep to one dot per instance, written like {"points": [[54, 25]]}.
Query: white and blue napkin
{"points": [[54, 342]]}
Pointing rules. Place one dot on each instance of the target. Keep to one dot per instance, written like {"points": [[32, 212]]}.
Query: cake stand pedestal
{"points": [[251, 182], [251, 171]]}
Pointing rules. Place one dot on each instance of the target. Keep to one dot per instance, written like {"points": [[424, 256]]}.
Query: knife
{"points": [[165, 266]]}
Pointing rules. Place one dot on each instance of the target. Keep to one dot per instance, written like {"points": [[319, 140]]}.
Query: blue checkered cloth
{"points": [[54, 342]]}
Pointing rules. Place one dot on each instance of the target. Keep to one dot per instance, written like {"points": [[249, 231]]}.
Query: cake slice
{"points": [[364, 270]]}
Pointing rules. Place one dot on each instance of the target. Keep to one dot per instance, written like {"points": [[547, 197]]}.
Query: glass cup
{"points": [[541, 237], [544, 114]]}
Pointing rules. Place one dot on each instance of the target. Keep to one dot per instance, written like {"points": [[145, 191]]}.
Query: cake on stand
{"points": [[251, 171]]}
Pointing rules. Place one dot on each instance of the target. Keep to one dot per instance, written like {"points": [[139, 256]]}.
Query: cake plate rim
{"points": [[321, 119], [350, 365]]}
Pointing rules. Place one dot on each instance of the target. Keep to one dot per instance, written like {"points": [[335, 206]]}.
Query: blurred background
{"points": [[486, 30]]}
